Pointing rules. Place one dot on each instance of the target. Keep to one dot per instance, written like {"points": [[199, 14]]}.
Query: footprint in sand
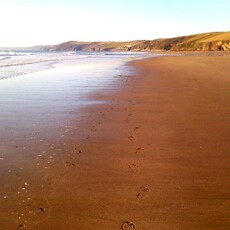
{"points": [[131, 138], [77, 151], [128, 225], [177, 187], [48, 181], [70, 162], [134, 167], [144, 192], [139, 150], [136, 128], [93, 129]]}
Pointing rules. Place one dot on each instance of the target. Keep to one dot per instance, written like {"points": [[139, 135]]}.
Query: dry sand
{"points": [[157, 154]]}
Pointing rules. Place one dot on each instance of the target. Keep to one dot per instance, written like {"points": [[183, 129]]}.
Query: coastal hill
{"points": [[214, 41]]}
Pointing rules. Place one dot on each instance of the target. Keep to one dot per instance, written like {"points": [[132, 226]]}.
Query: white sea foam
{"points": [[17, 58], [16, 63]]}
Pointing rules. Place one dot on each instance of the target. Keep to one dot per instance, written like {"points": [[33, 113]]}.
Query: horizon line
{"points": [[91, 41]]}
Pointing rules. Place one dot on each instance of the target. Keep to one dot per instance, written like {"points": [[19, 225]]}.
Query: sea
{"points": [[15, 63], [40, 90]]}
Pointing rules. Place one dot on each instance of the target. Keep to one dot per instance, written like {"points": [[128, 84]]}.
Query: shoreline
{"points": [[156, 154]]}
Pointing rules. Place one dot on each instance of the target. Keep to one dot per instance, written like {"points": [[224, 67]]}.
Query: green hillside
{"points": [[204, 42], [214, 41]]}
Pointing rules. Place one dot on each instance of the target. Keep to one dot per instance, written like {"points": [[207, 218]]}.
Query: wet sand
{"points": [[156, 155]]}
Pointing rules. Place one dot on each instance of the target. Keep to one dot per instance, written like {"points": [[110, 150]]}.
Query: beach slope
{"points": [[156, 154]]}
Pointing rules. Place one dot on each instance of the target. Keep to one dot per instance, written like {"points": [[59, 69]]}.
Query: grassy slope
{"points": [[75, 45], [204, 41], [217, 37], [199, 41], [114, 45]]}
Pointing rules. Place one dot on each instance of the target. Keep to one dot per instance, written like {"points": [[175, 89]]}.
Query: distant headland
{"points": [[213, 41]]}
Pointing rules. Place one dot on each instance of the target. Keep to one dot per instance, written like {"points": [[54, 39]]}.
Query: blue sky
{"points": [[41, 22]]}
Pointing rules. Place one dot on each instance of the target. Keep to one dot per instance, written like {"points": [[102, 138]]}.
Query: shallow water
{"points": [[44, 99], [16, 63]]}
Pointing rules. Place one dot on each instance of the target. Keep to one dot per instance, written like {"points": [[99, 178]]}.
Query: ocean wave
{"points": [[15, 63], [17, 58], [12, 53]]}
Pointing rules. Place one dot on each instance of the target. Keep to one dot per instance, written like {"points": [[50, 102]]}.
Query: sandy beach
{"points": [[155, 155]]}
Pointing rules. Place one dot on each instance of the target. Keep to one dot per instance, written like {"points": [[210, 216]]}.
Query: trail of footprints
{"points": [[143, 191], [44, 160]]}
